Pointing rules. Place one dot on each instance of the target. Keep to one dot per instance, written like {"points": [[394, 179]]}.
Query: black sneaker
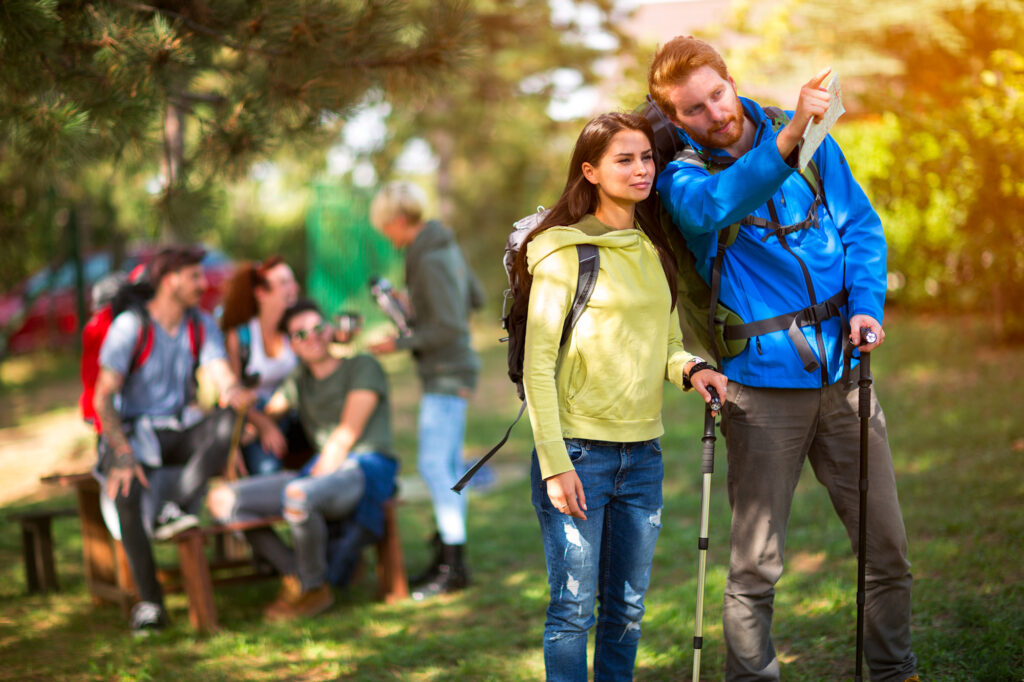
{"points": [[172, 520], [146, 618]]}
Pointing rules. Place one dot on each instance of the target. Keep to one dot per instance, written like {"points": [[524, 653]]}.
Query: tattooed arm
{"points": [[125, 467]]}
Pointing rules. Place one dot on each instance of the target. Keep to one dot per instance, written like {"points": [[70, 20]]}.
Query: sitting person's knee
{"points": [[221, 502]]}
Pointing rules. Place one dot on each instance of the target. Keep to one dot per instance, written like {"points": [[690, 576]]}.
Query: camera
{"points": [[348, 323]]}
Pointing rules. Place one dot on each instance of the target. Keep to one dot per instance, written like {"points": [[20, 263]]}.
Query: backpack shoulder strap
{"points": [[244, 344], [590, 263], [196, 334], [143, 342]]}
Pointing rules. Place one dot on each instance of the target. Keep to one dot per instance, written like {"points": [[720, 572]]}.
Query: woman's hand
{"points": [[565, 490], [704, 378]]}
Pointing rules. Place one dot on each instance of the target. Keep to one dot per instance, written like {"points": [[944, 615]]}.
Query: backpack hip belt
{"points": [[792, 322]]}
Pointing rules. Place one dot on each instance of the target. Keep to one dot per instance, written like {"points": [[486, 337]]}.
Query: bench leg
{"points": [[393, 584], [195, 578], [37, 549]]}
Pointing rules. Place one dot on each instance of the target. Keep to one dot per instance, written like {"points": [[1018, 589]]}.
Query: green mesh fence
{"points": [[344, 252]]}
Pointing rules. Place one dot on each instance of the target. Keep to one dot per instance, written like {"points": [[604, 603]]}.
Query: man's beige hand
{"points": [[811, 105], [119, 480]]}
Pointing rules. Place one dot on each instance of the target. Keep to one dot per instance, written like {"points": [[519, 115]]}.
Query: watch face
{"points": [[697, 360]]}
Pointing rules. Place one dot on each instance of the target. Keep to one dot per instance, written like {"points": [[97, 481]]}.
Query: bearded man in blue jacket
{"points": [[797, 256]]}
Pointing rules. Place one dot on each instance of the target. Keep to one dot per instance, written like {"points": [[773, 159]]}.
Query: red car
{"points": [[51, 320]]}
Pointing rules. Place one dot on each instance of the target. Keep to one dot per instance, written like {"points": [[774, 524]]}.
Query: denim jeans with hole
{"points": [[307, 504], [605, 559], [442, 427]]}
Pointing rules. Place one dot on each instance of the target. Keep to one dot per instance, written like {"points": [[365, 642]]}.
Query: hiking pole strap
{"points": [[483, 460]]}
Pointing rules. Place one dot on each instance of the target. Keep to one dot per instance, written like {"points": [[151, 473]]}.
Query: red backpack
{"points": [[124, 295]]}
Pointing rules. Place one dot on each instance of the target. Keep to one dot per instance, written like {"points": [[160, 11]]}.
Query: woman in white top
{"points": [[255, 299]]}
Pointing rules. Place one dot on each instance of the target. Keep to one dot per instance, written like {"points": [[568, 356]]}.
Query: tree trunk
{"points": [[174, 159]]}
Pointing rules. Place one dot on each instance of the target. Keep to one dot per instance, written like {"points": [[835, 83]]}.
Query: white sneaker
{"points": [[146, 618], [172, 520]]}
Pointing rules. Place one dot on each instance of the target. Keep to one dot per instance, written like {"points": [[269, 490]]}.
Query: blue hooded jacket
{"points": [[762, 279]]}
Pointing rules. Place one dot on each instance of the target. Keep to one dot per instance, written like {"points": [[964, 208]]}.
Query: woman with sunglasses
{"points": [[255, 299], [595, 402]]}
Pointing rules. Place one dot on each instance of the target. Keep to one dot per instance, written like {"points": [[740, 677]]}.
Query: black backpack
{"points": [[514, 311]]}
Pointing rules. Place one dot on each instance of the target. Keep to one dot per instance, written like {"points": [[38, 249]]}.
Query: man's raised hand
{"points": [[811, 105]]}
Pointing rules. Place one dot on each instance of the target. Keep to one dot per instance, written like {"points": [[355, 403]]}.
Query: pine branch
{"points": [[219, 36]]}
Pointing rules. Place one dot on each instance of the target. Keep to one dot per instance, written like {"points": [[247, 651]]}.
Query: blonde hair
{"points": [[399, 198], [674, 63]]}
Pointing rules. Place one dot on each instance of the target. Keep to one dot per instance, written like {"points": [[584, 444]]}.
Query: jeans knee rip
{"points": [[655, 518], [294, 504], [572, 585], [295, 514], [572, 535]]}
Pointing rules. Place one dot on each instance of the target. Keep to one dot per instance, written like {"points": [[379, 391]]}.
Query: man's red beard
{"points": [[723, 140]]}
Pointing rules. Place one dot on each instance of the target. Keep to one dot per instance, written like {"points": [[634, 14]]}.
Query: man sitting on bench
{"points": [[148, 422], [343, 407]]}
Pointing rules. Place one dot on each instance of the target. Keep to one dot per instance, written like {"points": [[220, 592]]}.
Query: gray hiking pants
{"points": [[307, 504], [768, 433]]}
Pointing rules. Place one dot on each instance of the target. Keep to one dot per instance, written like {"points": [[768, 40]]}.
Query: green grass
{"points": [[954, 411]]}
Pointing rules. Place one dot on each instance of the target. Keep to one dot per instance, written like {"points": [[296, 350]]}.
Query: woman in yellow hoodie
{"points": [[595, 402]]}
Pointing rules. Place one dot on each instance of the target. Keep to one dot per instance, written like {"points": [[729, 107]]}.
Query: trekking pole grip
{"points": [[707, 464]]}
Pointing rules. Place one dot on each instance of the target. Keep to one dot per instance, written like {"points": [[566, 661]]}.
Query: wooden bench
{"points": [[109, 578], [37, 547]]}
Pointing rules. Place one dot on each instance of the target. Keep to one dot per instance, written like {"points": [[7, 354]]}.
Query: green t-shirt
{"points": [[321, 401]]}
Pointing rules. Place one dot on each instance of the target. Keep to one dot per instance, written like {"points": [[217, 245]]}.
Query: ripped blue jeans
{"points": [[605, 559]]}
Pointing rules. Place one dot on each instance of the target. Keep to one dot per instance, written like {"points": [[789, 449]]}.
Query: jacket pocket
{"points": [[578, 374]]}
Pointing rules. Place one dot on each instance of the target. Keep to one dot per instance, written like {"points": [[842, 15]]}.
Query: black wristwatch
{"points": [[699, 364]]}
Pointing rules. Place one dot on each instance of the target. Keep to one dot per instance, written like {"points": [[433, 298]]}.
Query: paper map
{"points": [[816, 132]]}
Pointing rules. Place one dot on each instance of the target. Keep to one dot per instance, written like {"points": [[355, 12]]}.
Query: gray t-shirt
{"points": [[158, 388]]}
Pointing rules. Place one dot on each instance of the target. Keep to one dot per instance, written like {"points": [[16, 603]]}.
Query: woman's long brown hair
{"points": [[239, 300], [580, 198]]}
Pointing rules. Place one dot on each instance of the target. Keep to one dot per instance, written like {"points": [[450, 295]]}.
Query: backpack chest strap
{"points": [[778, 230]]}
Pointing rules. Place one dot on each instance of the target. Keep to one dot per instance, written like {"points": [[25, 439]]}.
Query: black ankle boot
{"points": [[430, 572], [452, 574]]}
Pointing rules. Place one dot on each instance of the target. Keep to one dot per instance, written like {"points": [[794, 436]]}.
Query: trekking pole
{"points": [[866, 336], [707, 467]]}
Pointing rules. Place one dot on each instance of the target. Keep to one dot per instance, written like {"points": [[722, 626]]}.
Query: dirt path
{"points": [[40, 434]]}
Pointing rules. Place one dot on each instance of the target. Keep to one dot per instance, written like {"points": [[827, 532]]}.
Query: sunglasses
{"points": [[303, 334]]}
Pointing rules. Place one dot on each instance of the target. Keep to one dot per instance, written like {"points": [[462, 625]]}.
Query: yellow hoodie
{"points": [[606, 382]]}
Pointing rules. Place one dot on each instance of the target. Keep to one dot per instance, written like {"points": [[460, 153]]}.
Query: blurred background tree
{"points": [[938, 86], [215, 120], [166, 102], [498, 137]]}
